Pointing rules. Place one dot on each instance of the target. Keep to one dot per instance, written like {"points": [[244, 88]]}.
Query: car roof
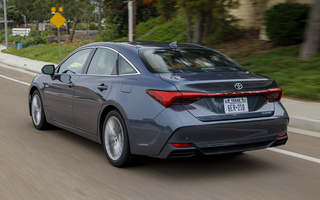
{"points": [[130, 50], [140, 45]]}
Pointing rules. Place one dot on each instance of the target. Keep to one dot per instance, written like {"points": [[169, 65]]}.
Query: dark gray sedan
{"points": [[163, 100]]}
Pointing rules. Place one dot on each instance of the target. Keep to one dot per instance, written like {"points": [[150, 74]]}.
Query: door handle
{"points": [[102, 87]]}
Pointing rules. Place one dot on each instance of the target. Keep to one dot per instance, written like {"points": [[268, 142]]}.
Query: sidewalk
{"points": [[304, 115], [20, 62]]}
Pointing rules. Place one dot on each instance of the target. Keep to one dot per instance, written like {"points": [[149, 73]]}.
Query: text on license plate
{"points": [[236, 105]]}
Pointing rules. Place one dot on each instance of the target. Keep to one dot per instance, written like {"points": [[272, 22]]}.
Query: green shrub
{"points": [[285, 23], [168, 32], [35, 38], [93, 26], [144, 27], [81, 26], [111, 32], [16, 39], [33, 33], [224, 30]]}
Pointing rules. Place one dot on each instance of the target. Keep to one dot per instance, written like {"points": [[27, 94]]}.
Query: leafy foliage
{"points": [[93, 26], [116, 24], [205, 20], [298, 78], [285, 23], [168, 32]]}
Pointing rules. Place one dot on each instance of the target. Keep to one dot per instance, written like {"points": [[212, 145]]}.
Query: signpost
{"points": [[58, 20], [5, 23]]}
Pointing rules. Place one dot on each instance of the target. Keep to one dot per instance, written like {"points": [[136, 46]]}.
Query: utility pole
{"points": [[132, 19], [130, 22], [5, 23], [134, 10], [25, 26]]}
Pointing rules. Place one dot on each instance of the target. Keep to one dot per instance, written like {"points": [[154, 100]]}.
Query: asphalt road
{"points": [[57, 164]]}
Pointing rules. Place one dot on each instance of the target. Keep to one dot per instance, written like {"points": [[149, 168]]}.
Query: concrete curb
{"points": [[305, 123], [32, 69]]}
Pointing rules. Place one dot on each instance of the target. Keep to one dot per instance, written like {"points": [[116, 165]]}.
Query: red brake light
{"points": [[274, 94], [282, 134], [166, 98], [180, 144]]}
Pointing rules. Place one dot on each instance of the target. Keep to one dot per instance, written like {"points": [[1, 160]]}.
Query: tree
{"points": [[35, 10], [74, 9], [206, 16], [100, 5], [116, 20], [13, 14], [310, 46]]}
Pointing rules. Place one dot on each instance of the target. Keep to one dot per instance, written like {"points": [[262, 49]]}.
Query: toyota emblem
{"points": [[238, 86]]}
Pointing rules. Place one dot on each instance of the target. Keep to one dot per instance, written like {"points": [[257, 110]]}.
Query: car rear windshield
{"points": [[187, 60]]}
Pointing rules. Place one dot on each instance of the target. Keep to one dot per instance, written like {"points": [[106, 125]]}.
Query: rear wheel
{"points": [[115, 140], [37, 112]]}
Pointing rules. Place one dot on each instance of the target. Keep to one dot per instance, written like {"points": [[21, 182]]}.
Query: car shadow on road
{"points": [[247, 163]]}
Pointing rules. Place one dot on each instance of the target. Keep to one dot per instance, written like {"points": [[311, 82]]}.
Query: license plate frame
{"points": [[235, 105]]}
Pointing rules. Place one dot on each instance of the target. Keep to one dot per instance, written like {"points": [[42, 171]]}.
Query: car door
{"points": [[93, 87], [59, 89]]}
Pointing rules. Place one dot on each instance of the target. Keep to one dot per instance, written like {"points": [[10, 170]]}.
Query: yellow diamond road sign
{"points": [[58, 20]]}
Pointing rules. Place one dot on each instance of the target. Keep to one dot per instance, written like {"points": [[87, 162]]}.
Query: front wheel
{"points": [[37, 112], [115, 140]]}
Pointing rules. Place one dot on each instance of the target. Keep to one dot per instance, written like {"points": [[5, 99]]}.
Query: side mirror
{"points": [[48, 70]]}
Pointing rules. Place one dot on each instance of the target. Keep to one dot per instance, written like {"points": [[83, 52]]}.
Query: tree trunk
{"points": [[37, 26], [73, 28], [310, 46], [198, 28], [207, 20], [189, 30]]}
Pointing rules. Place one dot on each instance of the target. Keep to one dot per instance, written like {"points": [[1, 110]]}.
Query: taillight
{"points": [[282, 134], [166, 98], [274, 94], [180, 144]]}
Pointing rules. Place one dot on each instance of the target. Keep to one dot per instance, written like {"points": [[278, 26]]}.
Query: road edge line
{"points": [[297, 155]]}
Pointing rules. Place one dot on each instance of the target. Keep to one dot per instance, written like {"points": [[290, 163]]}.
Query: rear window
{"points": [[187, 60]]}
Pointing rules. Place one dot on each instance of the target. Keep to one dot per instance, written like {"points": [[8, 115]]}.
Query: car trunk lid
{"points": [[228, 95]]}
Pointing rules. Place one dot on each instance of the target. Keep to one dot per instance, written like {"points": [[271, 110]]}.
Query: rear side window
{"points": [[125, 67], [104, 62], [187, 60]]}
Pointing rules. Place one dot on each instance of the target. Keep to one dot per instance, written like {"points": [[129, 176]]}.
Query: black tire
{"points": [[115, 140], [37, 113]]}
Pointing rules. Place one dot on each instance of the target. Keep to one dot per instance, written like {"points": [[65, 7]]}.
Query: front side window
{"points": [[75, 63], [104, 62], [187, 60]]}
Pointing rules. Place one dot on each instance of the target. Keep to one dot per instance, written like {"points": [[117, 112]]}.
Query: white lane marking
{"points": [[11, 79], [297, 155], [304, 132]]}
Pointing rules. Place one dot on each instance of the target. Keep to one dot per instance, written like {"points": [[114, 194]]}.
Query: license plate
{"points": [[236, 105]]}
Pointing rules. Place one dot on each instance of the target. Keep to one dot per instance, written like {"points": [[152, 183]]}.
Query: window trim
{"points": [[137, 72]]}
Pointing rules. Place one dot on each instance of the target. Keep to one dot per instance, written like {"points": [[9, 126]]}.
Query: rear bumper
{"points": [[226, 138]]}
